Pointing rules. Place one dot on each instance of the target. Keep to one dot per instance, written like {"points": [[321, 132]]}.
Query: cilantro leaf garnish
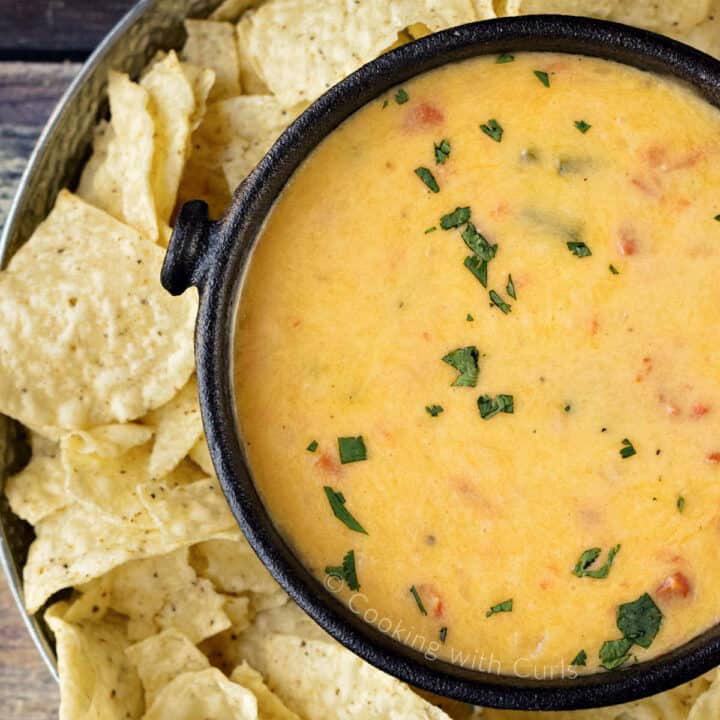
{"points": [[478, 244], [627, 450], [580, 659], [504, 58], [579, 248], [489, 406], [505, 606], [465, 361], [352, 449], [477, 267], [442, 151], [346, 571], [496, 300], [493, 130], [418, 600], [459, 216], [582, 126], [589, 557], [443, 634], [681, 503], [615, 653], [613, 269], [313, 446], [434, 410], [640, 620], [510, 288], [543, 77], [337, 503], [401, 97], [428, 178]]}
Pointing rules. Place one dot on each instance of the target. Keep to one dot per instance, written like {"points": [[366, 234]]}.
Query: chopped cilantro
{"points": [[401, 97], [489, 406], [352, 449], [337, 503], [543, 77], [442, 151], [579, 248], [443, 634], [505, 58], [477, 267], [478, 244], [681, 503], [510, 288], [568, 407], [615, 653], [418, 600], [589, 557], [434, 410], [580, 659], [465, 361], [346, 571], [493, 130], [469, 317], [717, 217], [496, 300], [627, 449], [640, 620], [613, 269], [313, 446], [431, 229], [582, 126], [459, 216], [385, 103], [428, 178], [505, 606]]}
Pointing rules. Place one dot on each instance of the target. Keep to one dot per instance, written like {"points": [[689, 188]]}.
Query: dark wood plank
{"points": [[56, 29], [27, 690]]}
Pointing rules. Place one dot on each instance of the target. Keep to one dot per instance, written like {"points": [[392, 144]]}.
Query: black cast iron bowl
{"points": [[213, 255]]}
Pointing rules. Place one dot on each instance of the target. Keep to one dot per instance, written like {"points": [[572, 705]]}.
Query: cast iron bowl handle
{"points": [[185, 260]]}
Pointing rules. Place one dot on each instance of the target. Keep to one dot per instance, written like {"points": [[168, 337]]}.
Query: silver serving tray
{"points": [[55, 163]]}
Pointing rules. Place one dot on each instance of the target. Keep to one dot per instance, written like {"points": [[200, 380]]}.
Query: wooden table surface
{"points": [[42, 43]]}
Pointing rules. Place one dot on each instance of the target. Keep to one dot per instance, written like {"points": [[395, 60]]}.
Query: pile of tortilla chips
{"points": [[167, 612]]}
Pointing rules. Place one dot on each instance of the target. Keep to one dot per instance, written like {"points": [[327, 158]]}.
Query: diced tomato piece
{"points": [[627, 242], [714, 458], [431, 599], [672, 409], [423, 115], [698, 410], [675, 585], [328, 464]]}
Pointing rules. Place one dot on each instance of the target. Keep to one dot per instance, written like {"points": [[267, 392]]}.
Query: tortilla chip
{"points": [[201, 81], [200, 455], [164, 592], [177, 427], [172, 107], [234, 134], [160, 658], [661, 15], [39, 488], [230, 10], [75, 545], [270, 706], [318, 680], [118, 178], [219, 647], [707, 706], [115, 344], [233, 567], [250, 80], [203, 694], [590, 8], [212, 45], [90, 602], [97, 682], [706, 35], [107, 483], [324, 42]]}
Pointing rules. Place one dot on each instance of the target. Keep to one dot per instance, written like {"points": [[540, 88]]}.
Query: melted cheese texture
{"points": [[349, 306]]}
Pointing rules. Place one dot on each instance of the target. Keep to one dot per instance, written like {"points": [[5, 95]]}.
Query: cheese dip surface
{"points": [[477, 364]]}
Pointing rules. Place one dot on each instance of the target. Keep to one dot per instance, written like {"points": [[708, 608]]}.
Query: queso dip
{"points": [[478, 364]]}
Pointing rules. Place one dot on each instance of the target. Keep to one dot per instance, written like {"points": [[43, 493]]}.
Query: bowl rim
{"points": [[217, 269]]}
